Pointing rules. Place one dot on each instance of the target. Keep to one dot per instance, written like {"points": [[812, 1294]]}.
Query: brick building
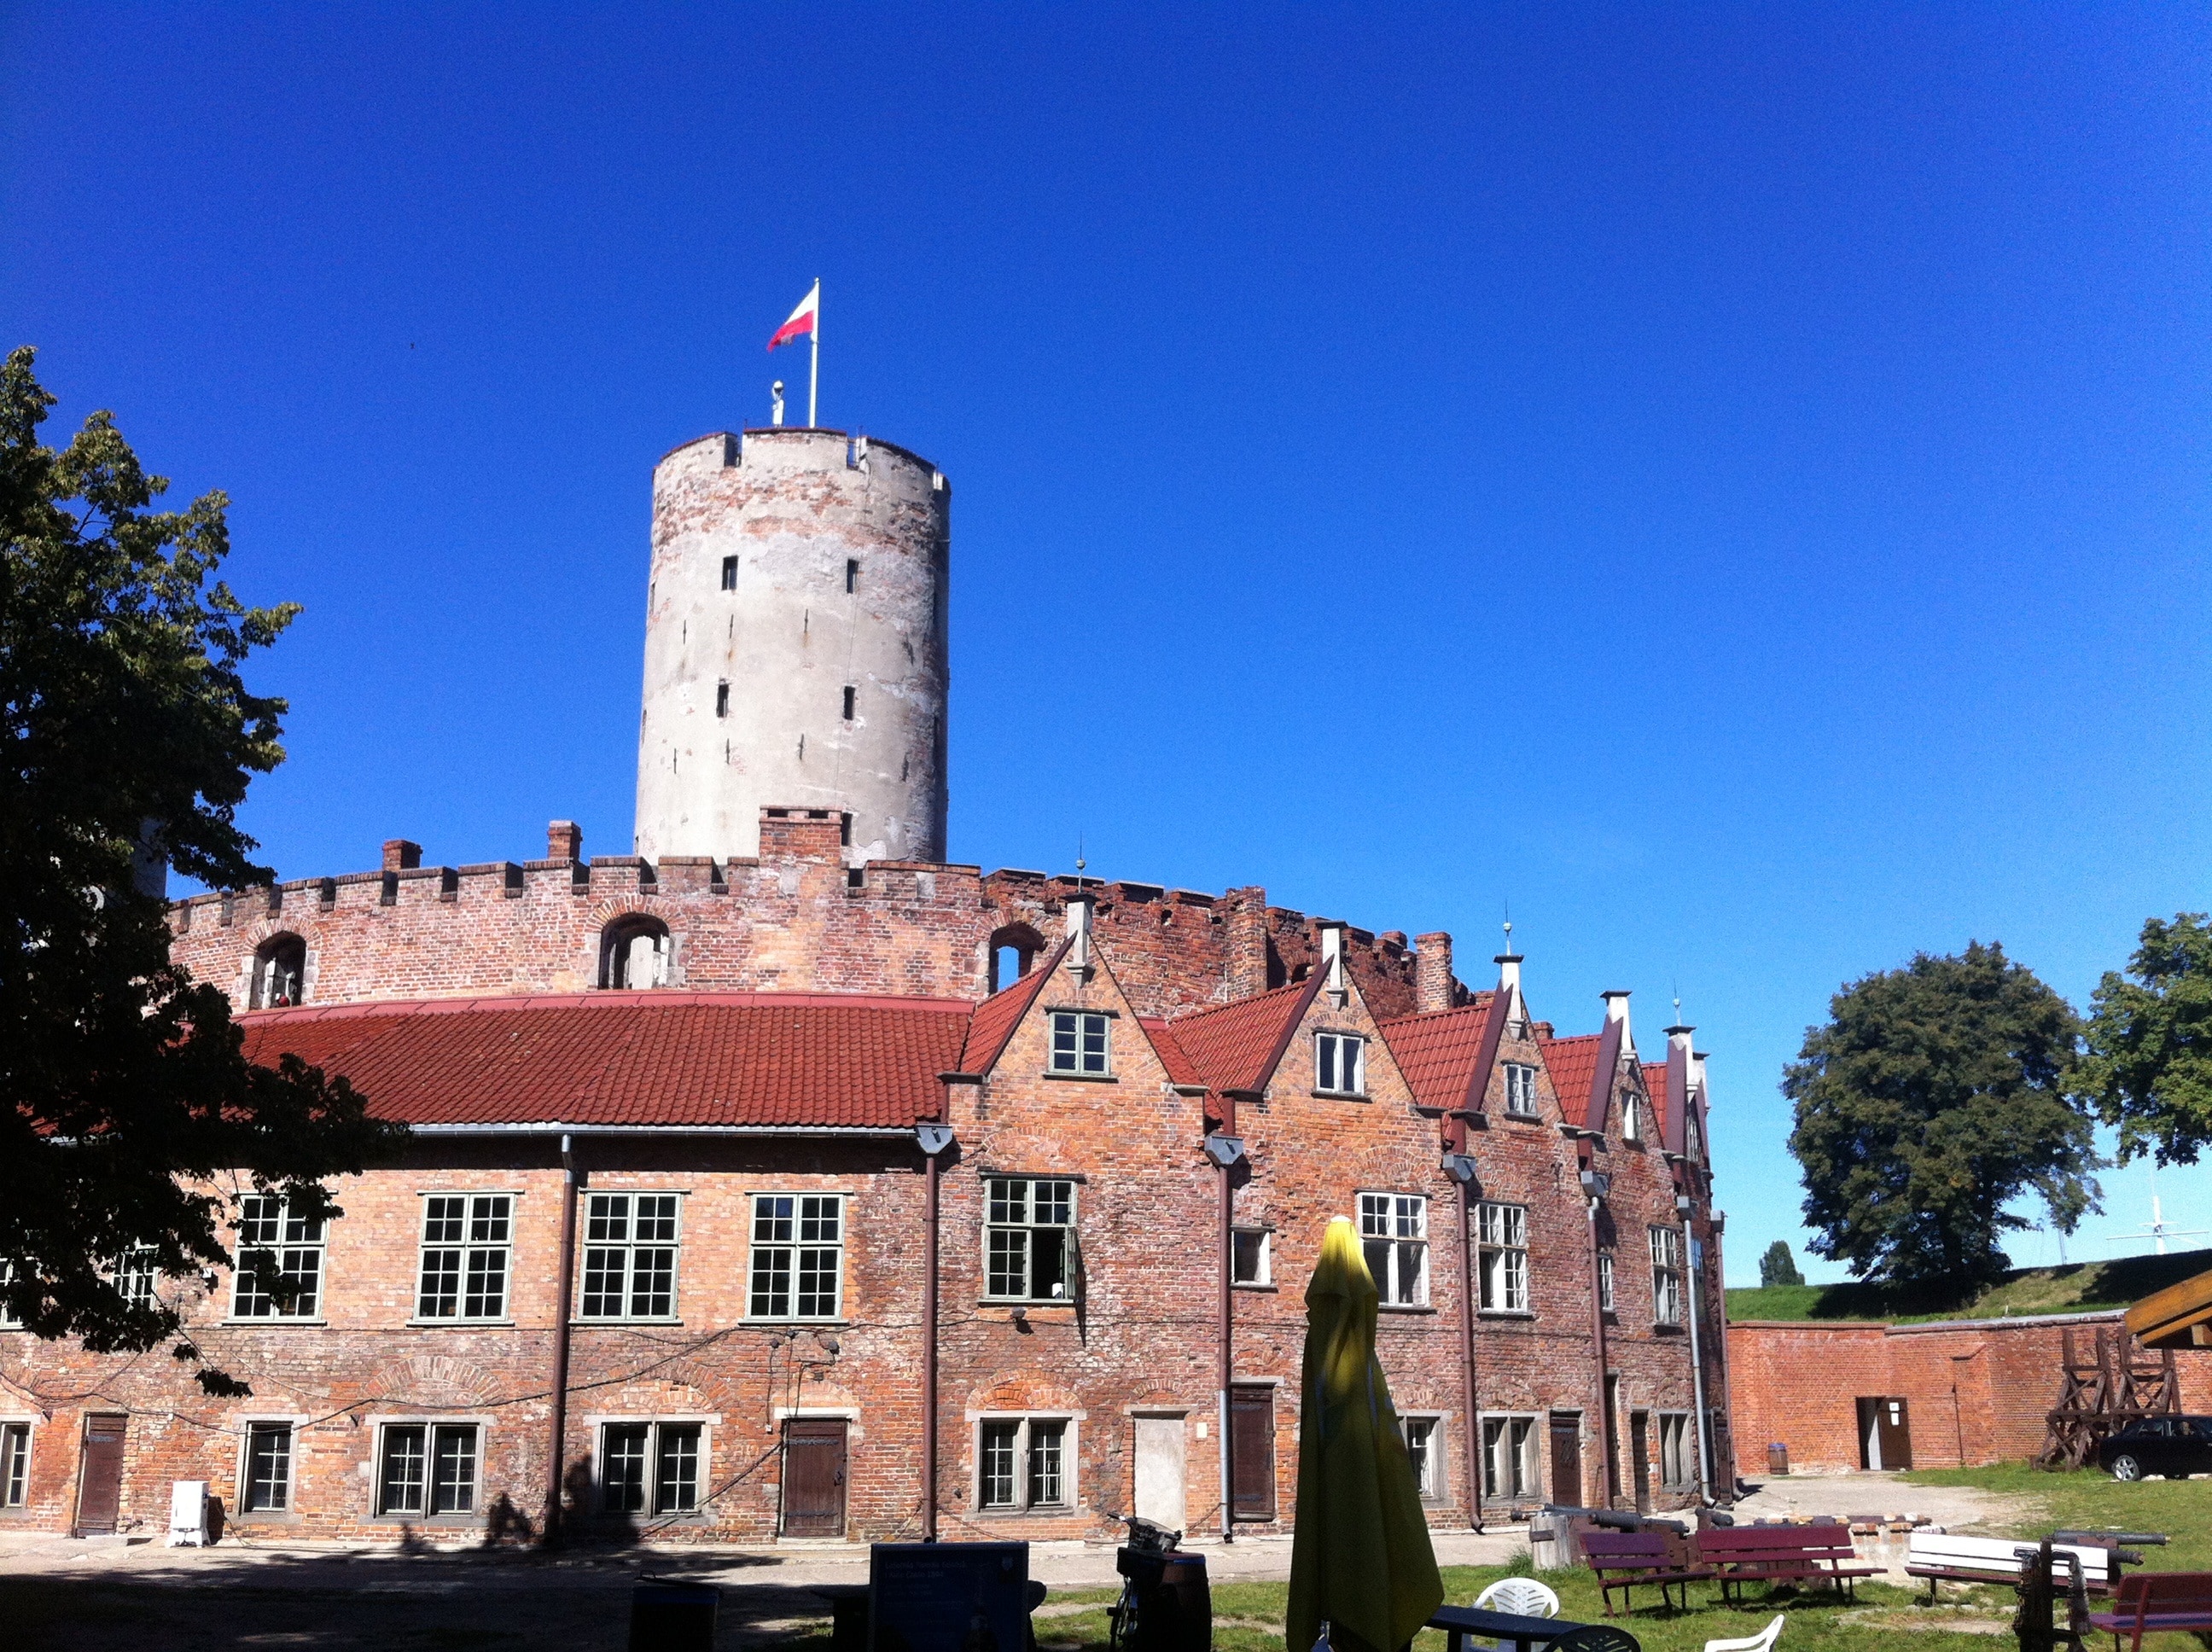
{"points": [[808, 1193]]}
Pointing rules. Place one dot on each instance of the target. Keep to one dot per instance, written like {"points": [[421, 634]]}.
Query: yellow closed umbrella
{"points": [[1360, 1557]]}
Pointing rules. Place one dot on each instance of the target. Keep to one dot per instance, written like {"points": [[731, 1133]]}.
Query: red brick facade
{"points": [[1054, 1410]]}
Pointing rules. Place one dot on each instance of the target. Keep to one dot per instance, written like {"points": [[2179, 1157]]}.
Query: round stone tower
{"points": [[795, 644]]}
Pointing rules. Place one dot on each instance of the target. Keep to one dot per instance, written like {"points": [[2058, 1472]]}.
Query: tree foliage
{"points": [[1935, 1097], [2147, 1064], [130, 1110], [1778, 1266]]}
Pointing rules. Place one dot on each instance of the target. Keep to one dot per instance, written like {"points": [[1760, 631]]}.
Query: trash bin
{"points": [[1778, 1458], [1175, 1604], [671, 1617]]}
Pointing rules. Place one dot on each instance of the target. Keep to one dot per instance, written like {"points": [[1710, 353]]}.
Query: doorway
{"points": [[1639, 1459], [1885, 1432], [1252, 1453], [99, 1477], [1567, 1459], [814, 1477], [1160, 1471]]}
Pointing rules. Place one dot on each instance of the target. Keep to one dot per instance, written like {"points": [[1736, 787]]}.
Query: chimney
{"points": [[564, 840], [1432, 972], [1245, 942], [1678, 1062], [1079, 914], [400, 855], [1332, 962]]}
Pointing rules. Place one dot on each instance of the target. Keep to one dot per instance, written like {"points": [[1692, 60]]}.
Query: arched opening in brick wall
{"points": [[634, 952], [280, 973], [1014, 949]]}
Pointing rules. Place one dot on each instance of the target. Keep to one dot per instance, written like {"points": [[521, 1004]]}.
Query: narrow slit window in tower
{"points": [[852, 575], [729, 574], [849, 692], [721, 700]]}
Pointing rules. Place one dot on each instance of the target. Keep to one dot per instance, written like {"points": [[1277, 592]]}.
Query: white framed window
{"points": [[14, 1464], [1250, 1260], [1029, 1239], [467, 1241], [428, 1469], [1605, 1281], [1676, 1449], [1394, 1232], [1423, 1447], [1520, 1089], [1080, 1043], [1502, 1248], [1632, 1116], [1025, 1463], [1665, 1275], [798, 1257], [1508, 1457], [265, 1485], [1340, 1064], [1694, 1137], [631, 1244], [136, 1276], [650, 1467], [9, 1319], [280, 1261]]}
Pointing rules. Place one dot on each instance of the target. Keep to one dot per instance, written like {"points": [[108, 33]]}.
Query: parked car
{"points": [[2176, 1447]]}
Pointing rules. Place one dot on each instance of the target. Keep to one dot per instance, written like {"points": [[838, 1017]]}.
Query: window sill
{"points": [[587, 1324], [1085, 1078], [264, 1517], [1264, 1286], [1059, 1510], [999, 1309], [458, 1324], [432, 1522], [1343, 1095], [1405, 1307], [1505, 1312], [1677, 1329], [1521, 1118], [271, 1322], [764, 1320]]}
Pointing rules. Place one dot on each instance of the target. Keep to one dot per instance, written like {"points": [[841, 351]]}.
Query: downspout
{"points": [[1684, 1203], [556, 1453], [1595, 1184], [1226, 1149], [1714, 1221], [1460, 1167], [934, 1139]]}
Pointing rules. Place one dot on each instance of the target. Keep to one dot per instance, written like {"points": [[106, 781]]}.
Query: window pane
{"points": [[608, 1220], [653, 1283], [1325, 1061], [1010, 1201], [996, 1469], [656, 1219], [1009, 1254], [404, 1454], [1049, 1264], [817, 1283], [1046, 1440], [441, 1221], [1094, 1043], [1063, 1039], [818, 1221], [1354, 1065], [771, 1297], [486, 1292], [1055, 1203], [1377, 1252], [621, 1474], [1248, 1252], [677, 1481], [603, 1283], [453, 1470], [14, 1464], [772, 1220], [489, 1219], [440, 1295], [268, 1467]]}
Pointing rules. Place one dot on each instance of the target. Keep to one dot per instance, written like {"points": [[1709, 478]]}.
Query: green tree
{"points": [[2146, 1061], [131, 1113], [1778, 1266], [1934, 1098]]}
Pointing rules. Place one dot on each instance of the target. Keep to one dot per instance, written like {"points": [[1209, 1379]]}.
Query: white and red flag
{"points": [[804, 319]]}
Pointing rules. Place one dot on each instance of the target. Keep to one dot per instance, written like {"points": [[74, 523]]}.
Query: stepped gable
{"points": [[1574, 1066], [996, 1016], [632, 1058]]}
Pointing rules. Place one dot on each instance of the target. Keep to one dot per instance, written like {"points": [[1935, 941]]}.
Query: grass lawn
{"points": [[1248, 1617]]}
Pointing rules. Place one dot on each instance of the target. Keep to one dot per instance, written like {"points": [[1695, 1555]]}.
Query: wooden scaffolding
{"points": [[2121, 1381]]}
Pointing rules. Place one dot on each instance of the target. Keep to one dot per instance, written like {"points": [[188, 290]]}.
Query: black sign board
{"points": [[949, 1597]]}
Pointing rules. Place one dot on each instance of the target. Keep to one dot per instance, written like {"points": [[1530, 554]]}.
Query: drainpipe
{"points": [[1715, 1220], [1596, 1183], [1684, 1204], [1461, 1168], [558, 1445], [934, 1139], [1227, 1152]]}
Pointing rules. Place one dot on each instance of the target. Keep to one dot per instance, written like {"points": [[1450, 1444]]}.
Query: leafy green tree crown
{"points": [[2147, 1064], [1934, 1098], [132, 1114], [1778, 1266]]}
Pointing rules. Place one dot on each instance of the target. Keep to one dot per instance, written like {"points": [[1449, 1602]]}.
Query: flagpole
{"points": [[814, 367]]}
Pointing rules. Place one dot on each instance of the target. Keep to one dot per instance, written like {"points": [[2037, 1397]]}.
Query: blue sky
{"points": [[1733, 485]]}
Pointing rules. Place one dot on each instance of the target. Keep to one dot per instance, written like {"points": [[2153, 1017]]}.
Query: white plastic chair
{"points": [[1760, 1642], [1523, 1596]]}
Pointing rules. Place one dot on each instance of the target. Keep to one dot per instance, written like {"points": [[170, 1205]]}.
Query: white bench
{"points": [[1940, 1557]]}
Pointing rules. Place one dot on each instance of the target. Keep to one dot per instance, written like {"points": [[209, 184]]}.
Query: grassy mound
{"points": [[2078, 1288]]}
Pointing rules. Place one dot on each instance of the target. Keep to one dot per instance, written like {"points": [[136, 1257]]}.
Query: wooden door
{"points": [[1639, 1459], [1252, 1453], [1160, 1472], [814, 1477], [1895, 1430], [99, 1477], [1567, 1458]]}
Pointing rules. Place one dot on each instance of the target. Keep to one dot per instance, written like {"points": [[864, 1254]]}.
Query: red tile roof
{"points": [[1439, 1051], [1176, 1059], [1573, 1065], [1655, 1086], [1237, 1046], [997, 1016], [642, 1059]]}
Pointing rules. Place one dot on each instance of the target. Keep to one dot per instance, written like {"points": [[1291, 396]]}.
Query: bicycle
{"points": [[1139, 1561]]}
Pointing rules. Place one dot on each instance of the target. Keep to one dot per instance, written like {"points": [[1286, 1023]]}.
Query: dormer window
{"points": [[634, 952], [1520, 1089], [1339, 1064], [280, 969]]}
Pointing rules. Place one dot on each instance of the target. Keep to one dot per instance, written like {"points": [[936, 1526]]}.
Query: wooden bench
{"points": [[1939, 1556], [1781, 1554], [2155, 1602], [1624, 1560]]}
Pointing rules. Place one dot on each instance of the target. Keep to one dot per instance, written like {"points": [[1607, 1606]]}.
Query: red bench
{"points": [[2156, 1602], [1781, 1554], [1622, 1560]]}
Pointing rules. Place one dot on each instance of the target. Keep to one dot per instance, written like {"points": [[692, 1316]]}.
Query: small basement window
{"points": [[850, 692], [729, 574]]}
